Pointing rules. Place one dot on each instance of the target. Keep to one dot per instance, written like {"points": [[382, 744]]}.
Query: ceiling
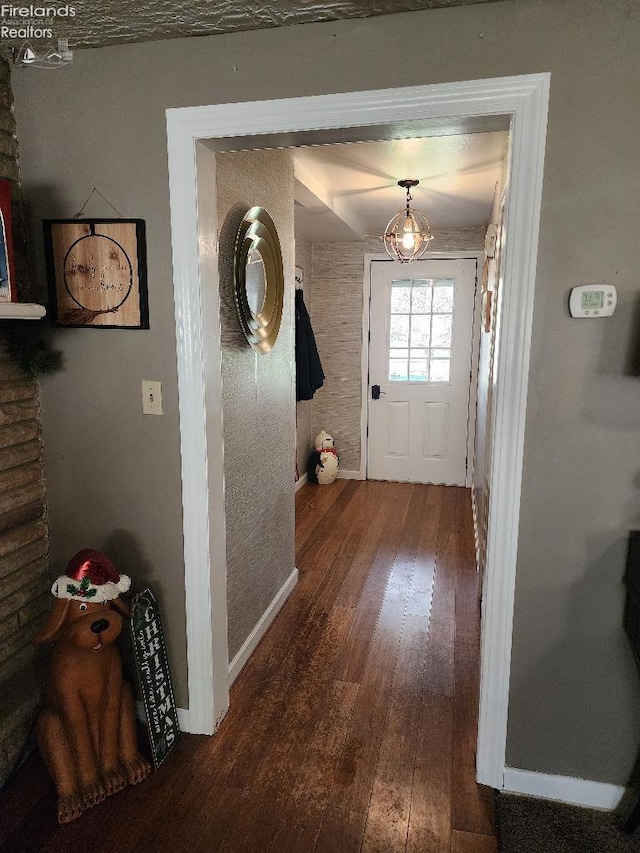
{"points": [[348, 191], [102, 22]]}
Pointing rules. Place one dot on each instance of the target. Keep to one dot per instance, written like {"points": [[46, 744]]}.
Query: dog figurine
{"points": [[86, 732]]}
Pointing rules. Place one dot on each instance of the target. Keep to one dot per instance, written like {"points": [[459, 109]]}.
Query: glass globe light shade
{"points": [[407, 236]]}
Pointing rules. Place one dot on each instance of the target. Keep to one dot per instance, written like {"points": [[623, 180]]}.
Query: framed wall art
{"points": [[7, 279], [97, 273]]}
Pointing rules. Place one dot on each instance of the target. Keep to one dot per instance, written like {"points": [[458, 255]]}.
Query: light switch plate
{"points": [[151, 397]]}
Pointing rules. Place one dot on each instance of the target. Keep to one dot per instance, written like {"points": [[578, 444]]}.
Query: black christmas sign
{"points": [[153, 674]]}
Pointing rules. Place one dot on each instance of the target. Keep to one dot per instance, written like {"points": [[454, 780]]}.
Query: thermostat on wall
{"points": [[593, 300]]}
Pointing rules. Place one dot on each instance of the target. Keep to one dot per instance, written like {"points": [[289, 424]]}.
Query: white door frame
{"points": [[195, 275], [369, 259]]}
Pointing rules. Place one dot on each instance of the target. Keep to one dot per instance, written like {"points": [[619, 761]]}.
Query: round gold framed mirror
{"points": [[259, 279]]}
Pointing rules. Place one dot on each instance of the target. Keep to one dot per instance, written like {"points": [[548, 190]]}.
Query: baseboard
{"points": [[349, 475], [183, 716], [183, 719], [261, 628], [476, 532], [300, 483], [565, 789]]}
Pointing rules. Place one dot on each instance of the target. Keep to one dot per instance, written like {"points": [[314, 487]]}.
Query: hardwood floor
{"points": [[351, 728]]}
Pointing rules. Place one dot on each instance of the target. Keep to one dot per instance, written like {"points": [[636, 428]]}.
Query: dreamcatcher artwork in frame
{"points": [[96, 271]]}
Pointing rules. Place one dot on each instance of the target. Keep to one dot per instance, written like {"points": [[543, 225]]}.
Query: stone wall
{"points": [[24, 582]]}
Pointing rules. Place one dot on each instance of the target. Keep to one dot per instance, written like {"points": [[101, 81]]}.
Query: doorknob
{"points": [[376, 392]]}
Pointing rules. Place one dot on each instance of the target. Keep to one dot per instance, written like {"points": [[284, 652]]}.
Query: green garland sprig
{"points": [[25, 344]]}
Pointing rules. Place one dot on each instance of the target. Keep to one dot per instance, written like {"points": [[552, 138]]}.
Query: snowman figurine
{"points": [[323, 463]]}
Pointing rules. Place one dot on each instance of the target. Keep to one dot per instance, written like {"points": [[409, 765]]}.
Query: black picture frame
{"points": [[97, 273]]}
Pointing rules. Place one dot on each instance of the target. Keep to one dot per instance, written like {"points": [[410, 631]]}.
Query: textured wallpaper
{"points": [[335, 304], [258, 403]]}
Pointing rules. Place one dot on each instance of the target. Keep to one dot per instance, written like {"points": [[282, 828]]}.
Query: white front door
{"points": [[421, 319]]}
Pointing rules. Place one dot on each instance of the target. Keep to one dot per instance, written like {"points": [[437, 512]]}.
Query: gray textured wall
{"points": [[574, 697], [258, 402], [113, 474], [335, 298]]}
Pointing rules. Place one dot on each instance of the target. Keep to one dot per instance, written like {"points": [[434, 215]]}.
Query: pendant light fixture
{"points": [[408, 234]]}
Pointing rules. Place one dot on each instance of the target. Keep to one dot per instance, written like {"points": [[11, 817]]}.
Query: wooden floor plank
{"points": [[341, 832], [275, 774], [389, 807], [427, 546], [467, 614], [467, 842], [313, 502], [389, 501], [440, 675], [29, 787], [430, 818], [353, 562], [354, 547], [305, 673], [323, 531], [472, 804], [430, 823], [357, 650], [317, 757], [357, 769]]}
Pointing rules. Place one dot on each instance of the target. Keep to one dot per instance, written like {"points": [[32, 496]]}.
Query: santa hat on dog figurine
{"points": [[91, 576]]}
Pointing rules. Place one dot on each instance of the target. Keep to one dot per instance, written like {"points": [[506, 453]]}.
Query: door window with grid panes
{"points": [[420, 330]]}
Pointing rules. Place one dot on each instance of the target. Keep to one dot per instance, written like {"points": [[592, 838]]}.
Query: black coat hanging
{"points": [[309, 373]]}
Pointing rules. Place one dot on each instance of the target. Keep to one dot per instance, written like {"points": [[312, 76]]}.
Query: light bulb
{"points": [[408, 240]]}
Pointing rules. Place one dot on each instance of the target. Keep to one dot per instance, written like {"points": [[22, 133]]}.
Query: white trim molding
{"points": [[194, 245], [195, 276], [509, 405], [184, 722], [345, 474], [564, 789], [300, 483], [261, 628]]}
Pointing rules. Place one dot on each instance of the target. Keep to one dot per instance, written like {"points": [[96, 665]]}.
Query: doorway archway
{"points": [[194, 135]]}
